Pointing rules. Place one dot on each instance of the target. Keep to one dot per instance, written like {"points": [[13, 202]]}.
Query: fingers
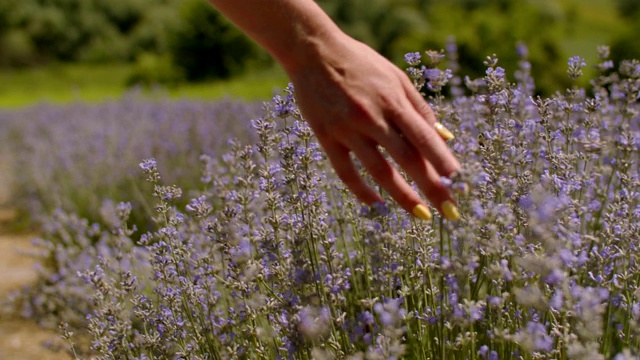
{"points": [[422, 172], [340, 160], [418, 102], [425, 111], [423, 137], [388, 177], [421, 151]]}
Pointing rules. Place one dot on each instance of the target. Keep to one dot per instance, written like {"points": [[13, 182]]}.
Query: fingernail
{"points": [[421, 212], [450, 211], [444, 132]]}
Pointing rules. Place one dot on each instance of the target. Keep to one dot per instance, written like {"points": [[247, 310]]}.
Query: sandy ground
{"points": [[19, 339]]}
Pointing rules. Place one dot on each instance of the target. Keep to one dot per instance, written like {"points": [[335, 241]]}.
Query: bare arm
{"points": [[355, 100], [290, 30]]}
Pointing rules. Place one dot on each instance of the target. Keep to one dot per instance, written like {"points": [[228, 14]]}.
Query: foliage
{"points": [[382, 24], [481, 28], [206, 45], [628, 8], [90, 30], [497, 27], [203, 45], [190, 33], [270, 256], [626, 44]]}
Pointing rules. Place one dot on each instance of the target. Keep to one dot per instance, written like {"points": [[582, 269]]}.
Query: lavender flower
{"points": [[413, 59], [576, 63], [269, 255]]}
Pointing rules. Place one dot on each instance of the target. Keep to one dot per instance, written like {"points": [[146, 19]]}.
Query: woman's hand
{"points": [[356, 101]]}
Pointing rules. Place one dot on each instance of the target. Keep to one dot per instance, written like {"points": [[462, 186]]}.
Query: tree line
{"points": [[173, 40]]}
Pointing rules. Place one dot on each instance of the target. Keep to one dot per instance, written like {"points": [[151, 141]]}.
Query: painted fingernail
{"points": [[421, 212], [444, 132], [450, 211]]}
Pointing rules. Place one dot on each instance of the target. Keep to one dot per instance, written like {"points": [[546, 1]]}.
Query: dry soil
{"points": [[20, 339]]}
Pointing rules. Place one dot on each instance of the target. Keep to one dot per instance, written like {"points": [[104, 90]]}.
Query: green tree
{"points": [[89, 30], [496, 27], [207, 45], [385, 25], [628, 8], [626, 44]]}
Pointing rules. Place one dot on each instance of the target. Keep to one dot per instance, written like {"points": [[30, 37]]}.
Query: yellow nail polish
{"points": [[421, 212], [443, 131], [450, 211]]}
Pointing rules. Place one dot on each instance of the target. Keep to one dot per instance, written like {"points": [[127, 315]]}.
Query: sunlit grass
{"points": [[253, 85], [95, 83], [597, 23]]}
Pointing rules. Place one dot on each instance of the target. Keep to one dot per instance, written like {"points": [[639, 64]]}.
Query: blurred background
{"points": [[92, 50]]}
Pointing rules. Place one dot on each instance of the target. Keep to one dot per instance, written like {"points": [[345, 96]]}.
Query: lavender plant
{"points": [[74, 157], [275, 259]]}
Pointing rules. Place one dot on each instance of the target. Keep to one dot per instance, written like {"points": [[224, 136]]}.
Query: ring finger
{"points": [[388, 177]]}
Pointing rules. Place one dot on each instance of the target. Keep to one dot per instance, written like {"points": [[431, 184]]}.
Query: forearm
{"points": [[292, 31]]}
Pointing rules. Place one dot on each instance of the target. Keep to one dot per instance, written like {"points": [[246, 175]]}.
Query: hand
{"points": [[355, 100]]}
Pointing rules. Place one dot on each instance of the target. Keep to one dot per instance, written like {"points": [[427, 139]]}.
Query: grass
{"points": [[597, 23], [64, 83]]}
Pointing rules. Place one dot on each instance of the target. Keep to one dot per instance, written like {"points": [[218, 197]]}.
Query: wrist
{"points": [[294, 32], [309, 43]]}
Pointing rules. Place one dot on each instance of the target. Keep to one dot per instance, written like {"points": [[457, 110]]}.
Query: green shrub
{"points": [[628, 8], [626, 45], [87, 30], [385, 25], [207, 45], [497, 27], [17, 49]]}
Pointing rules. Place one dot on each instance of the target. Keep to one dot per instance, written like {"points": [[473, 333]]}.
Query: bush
{"points": [[272, 257], [90, 30], [209, 46], [17, 49], [384, 25], [481, 28], [626, 44], [628, 8], [497, 27]]}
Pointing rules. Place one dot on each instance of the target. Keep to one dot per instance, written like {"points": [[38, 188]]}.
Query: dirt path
{"points": [[19, 339]]}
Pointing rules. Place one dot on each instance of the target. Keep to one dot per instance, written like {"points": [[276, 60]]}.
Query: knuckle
{"points": [[425, 110], [422, 140], [393, 105]]}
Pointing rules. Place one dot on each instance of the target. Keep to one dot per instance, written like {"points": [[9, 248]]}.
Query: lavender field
{"points": [[183, 230]]}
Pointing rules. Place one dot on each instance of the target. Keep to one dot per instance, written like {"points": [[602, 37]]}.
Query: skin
{"points": [[354, 99]]}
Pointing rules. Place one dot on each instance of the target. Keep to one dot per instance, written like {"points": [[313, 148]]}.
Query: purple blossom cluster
{"points": [[273, 258], [74, 157]]}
